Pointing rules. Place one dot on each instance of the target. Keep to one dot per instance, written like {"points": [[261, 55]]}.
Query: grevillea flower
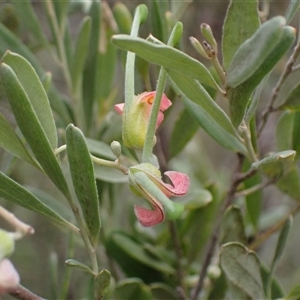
{"points": [[145, 181], [9, 277], [136, 121]]}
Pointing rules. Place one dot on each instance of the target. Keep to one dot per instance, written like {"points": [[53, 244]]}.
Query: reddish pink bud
{"points": [[136, 122]]}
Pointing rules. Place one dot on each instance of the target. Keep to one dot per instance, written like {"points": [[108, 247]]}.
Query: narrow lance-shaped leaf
{"points": [[238, 27], [279, 250], [185, 128], [14, 192], [253, 52], [292, 102], [29, 19], [291, 10], [10, 141], [82, 173], [35, 93], [101, 284], [239, 96], [31, 127], [165, 56], [208, 114], [242, 269], [81, 49]]}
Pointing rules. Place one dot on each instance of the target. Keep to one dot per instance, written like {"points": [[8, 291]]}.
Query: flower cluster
{"points": [[145, 180]]}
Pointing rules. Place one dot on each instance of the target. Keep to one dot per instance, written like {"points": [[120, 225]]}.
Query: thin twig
{"points": [[22, 293], [267, 233], [237, 179], [179, 255], [286, 72]]}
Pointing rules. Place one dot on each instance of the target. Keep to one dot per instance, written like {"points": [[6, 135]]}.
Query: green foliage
{"points": [[55, 72]]}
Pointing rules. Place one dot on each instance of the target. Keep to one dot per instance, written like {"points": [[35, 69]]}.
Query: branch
{"points": [[22, 293], [237, 179]]}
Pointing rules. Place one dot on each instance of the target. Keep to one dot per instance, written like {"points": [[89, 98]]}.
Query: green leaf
{"points": [[254, 51], [185, 128], [242, 269], [277, 291], [123, 17], [238, 27], [163, 291], [81, 49], [8, 40], [208, 114], [12, 191], [133, 288], [196, 198], [233, 228], [295, 135], [35, 92], [137, 252], [165, 56], [158, 11], [294, 294], [82, 173], [276, 164], [78, 265], [289, 183], [31, 128], [10, 141], [101, 284], [89, 74], [291, 10], [292, 102], [30, 20], [282, 239], [240, 95], [284, 129], [108, 174], [100, 149]]}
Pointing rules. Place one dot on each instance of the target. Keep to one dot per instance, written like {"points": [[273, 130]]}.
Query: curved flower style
{"points": [[136, 122], [145, 180]]}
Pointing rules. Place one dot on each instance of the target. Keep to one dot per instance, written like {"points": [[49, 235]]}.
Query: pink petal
{"points": [[180, 184], [119, 108], [160, 118], [9, 277], [165, 103], [148, 217]]}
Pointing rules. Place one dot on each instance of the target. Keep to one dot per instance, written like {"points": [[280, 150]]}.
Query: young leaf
{"points": [[82, 173], [12, 191], [209, 115], [165, 56], [292, 9], [233, 228], [133, 288], [240, 95], [185, 128], [89, 83], [242, 269], [29, 19], [294, 294], [276, 164], [35, 92], [81, 49], [123, 17], [279, 249], [284, 130], [78, 265], [101, 284], [10, 141], [31, 128], [254, 51], [238, 27], [292, 101]]}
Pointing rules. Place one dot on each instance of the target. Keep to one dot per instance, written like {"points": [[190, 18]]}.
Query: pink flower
{"points": [[136, 122], [9, 277], [145, 180]]}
